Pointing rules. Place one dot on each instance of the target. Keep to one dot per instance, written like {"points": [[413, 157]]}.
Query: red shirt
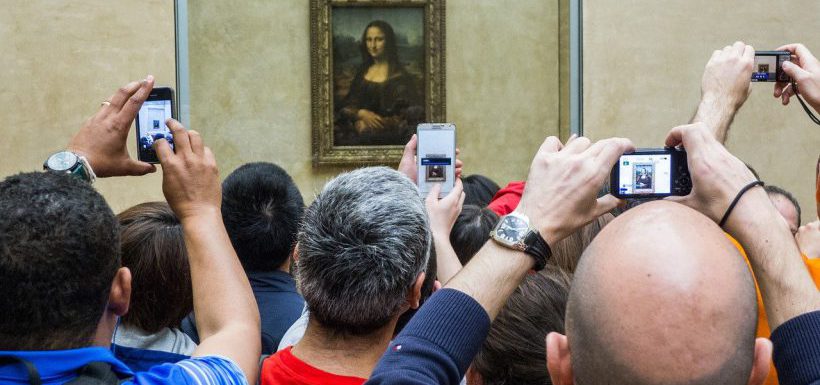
{"points": [[283, 368], [506, 199]]}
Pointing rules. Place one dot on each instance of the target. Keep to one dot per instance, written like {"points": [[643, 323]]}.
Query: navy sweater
{"points": [[438, 344], [797, 350]]}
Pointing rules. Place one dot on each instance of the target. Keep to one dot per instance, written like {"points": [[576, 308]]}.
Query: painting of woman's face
{"points": [[374, 38]]}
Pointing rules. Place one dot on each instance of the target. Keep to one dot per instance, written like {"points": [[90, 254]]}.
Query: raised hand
{"points": [[103, 137]]}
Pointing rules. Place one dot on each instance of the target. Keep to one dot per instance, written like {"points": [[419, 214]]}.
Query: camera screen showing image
{"points": [[436, 158], [768, 66], [645, 174], [151, 126]]}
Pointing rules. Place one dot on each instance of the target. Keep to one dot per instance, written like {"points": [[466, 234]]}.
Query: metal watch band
{"points": [[538, 248]]}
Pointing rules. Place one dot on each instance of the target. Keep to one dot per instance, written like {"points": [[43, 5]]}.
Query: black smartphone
{"points": [[151, 123], [651, 173], [768, 66]]}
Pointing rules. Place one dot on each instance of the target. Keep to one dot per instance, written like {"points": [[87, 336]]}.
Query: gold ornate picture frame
{"points": [[377, 70]]}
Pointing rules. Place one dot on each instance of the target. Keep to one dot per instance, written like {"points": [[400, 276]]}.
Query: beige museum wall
{"points": [[250, 83], [643, 63], [60, 60]]}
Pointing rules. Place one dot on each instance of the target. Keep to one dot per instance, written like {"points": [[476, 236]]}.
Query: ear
{"points": [[559, 364], [414, 294], [295, 253], [473, 377], [762, 361], [120, 296]]}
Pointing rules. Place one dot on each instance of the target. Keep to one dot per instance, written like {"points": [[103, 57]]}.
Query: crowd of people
{"points": [[240, 282]]}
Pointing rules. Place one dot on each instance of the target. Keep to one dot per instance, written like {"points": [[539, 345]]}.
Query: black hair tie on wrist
{"points": [[737, 198]]}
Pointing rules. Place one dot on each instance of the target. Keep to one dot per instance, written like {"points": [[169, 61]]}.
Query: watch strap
{"points": [[538, 248]]}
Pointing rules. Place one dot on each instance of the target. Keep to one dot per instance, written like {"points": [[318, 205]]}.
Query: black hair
{"points": [[471, 231], [774, 190], [479, 190], [261, 207], [59, 253]]}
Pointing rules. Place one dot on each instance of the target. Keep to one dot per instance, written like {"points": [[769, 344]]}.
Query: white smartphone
{"points": [[436, 157]]}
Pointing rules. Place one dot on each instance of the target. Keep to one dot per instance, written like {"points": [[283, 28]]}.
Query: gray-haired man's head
{"points": [[362, 245]]}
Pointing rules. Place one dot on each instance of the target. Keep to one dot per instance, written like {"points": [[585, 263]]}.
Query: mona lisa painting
{"points": [[377, 72]]}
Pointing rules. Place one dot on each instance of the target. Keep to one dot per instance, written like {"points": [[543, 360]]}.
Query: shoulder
{"points": [[211, 370]]}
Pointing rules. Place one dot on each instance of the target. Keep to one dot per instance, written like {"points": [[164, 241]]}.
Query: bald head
{"points": [[661, 296]]}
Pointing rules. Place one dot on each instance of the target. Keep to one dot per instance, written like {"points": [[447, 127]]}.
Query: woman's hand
{"points": [[368, 120]]}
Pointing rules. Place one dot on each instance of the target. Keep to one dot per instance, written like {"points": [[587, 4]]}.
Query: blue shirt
{"points": [[61, 366], [280, 305]]}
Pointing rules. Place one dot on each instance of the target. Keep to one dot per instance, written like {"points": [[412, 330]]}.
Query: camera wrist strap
{"points": [[737, 198], [802, 103]]}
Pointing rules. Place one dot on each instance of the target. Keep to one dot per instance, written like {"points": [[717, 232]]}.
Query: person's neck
{"points": [[344, 355], [285, 266], [380, 61]]}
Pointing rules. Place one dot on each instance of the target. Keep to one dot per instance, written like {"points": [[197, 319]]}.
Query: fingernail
{"points": [[149, 78]]}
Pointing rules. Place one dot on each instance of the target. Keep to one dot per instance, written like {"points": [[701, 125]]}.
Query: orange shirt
{"points": [[763, 330]]}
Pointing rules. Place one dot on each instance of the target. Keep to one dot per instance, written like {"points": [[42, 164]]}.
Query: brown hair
{"points": [[514, 351], [567, 252], [153, 248]]}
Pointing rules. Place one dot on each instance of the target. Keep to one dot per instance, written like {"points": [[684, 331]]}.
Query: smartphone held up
{"points": [[151, 123], [651, 173], [436, 157]]}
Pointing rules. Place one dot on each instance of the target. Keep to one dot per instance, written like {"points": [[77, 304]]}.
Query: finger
{"points": [[715, 53], [795, 72], [182, 143], [785, 99], [164, 151], [551, 144], [197, 146], [461, 202], [578, 145], [606, 204], [137, 168], [455, 193], [748, 52], [610, 151], [432, 196], [739, 47], [690, 135], [122, 95], [805, 56], [571, 138], [459, 168], [410, 148], [778, 89], [132, 106]]}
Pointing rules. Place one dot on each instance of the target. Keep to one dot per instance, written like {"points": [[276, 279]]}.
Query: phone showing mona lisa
{"points": [[151, 123], [436, 157], [651, 173]]}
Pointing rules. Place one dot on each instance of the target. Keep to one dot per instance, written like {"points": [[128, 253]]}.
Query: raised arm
{"points": [[724, 87], [226, 313], [443, 214], [443, 337], [717, 178]]}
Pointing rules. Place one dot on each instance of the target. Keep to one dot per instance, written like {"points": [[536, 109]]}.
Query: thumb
{"points": [[794, 71], [137, 168], [606, 204]]}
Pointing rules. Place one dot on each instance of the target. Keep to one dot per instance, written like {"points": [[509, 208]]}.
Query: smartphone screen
{"points": [[436, 154], [768, 66], [151, 123], [645, 174]]}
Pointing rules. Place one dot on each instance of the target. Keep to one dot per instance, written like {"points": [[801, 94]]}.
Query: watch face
{"points": [[512, 229], [62, 161]]}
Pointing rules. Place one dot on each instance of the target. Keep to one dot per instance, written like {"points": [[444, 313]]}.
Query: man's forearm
{"points": [[785, 285], [717, 114], [492, 276]]}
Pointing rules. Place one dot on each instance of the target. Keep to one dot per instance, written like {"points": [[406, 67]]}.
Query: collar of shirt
{"points": [[272, 281], [53, 364]]}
